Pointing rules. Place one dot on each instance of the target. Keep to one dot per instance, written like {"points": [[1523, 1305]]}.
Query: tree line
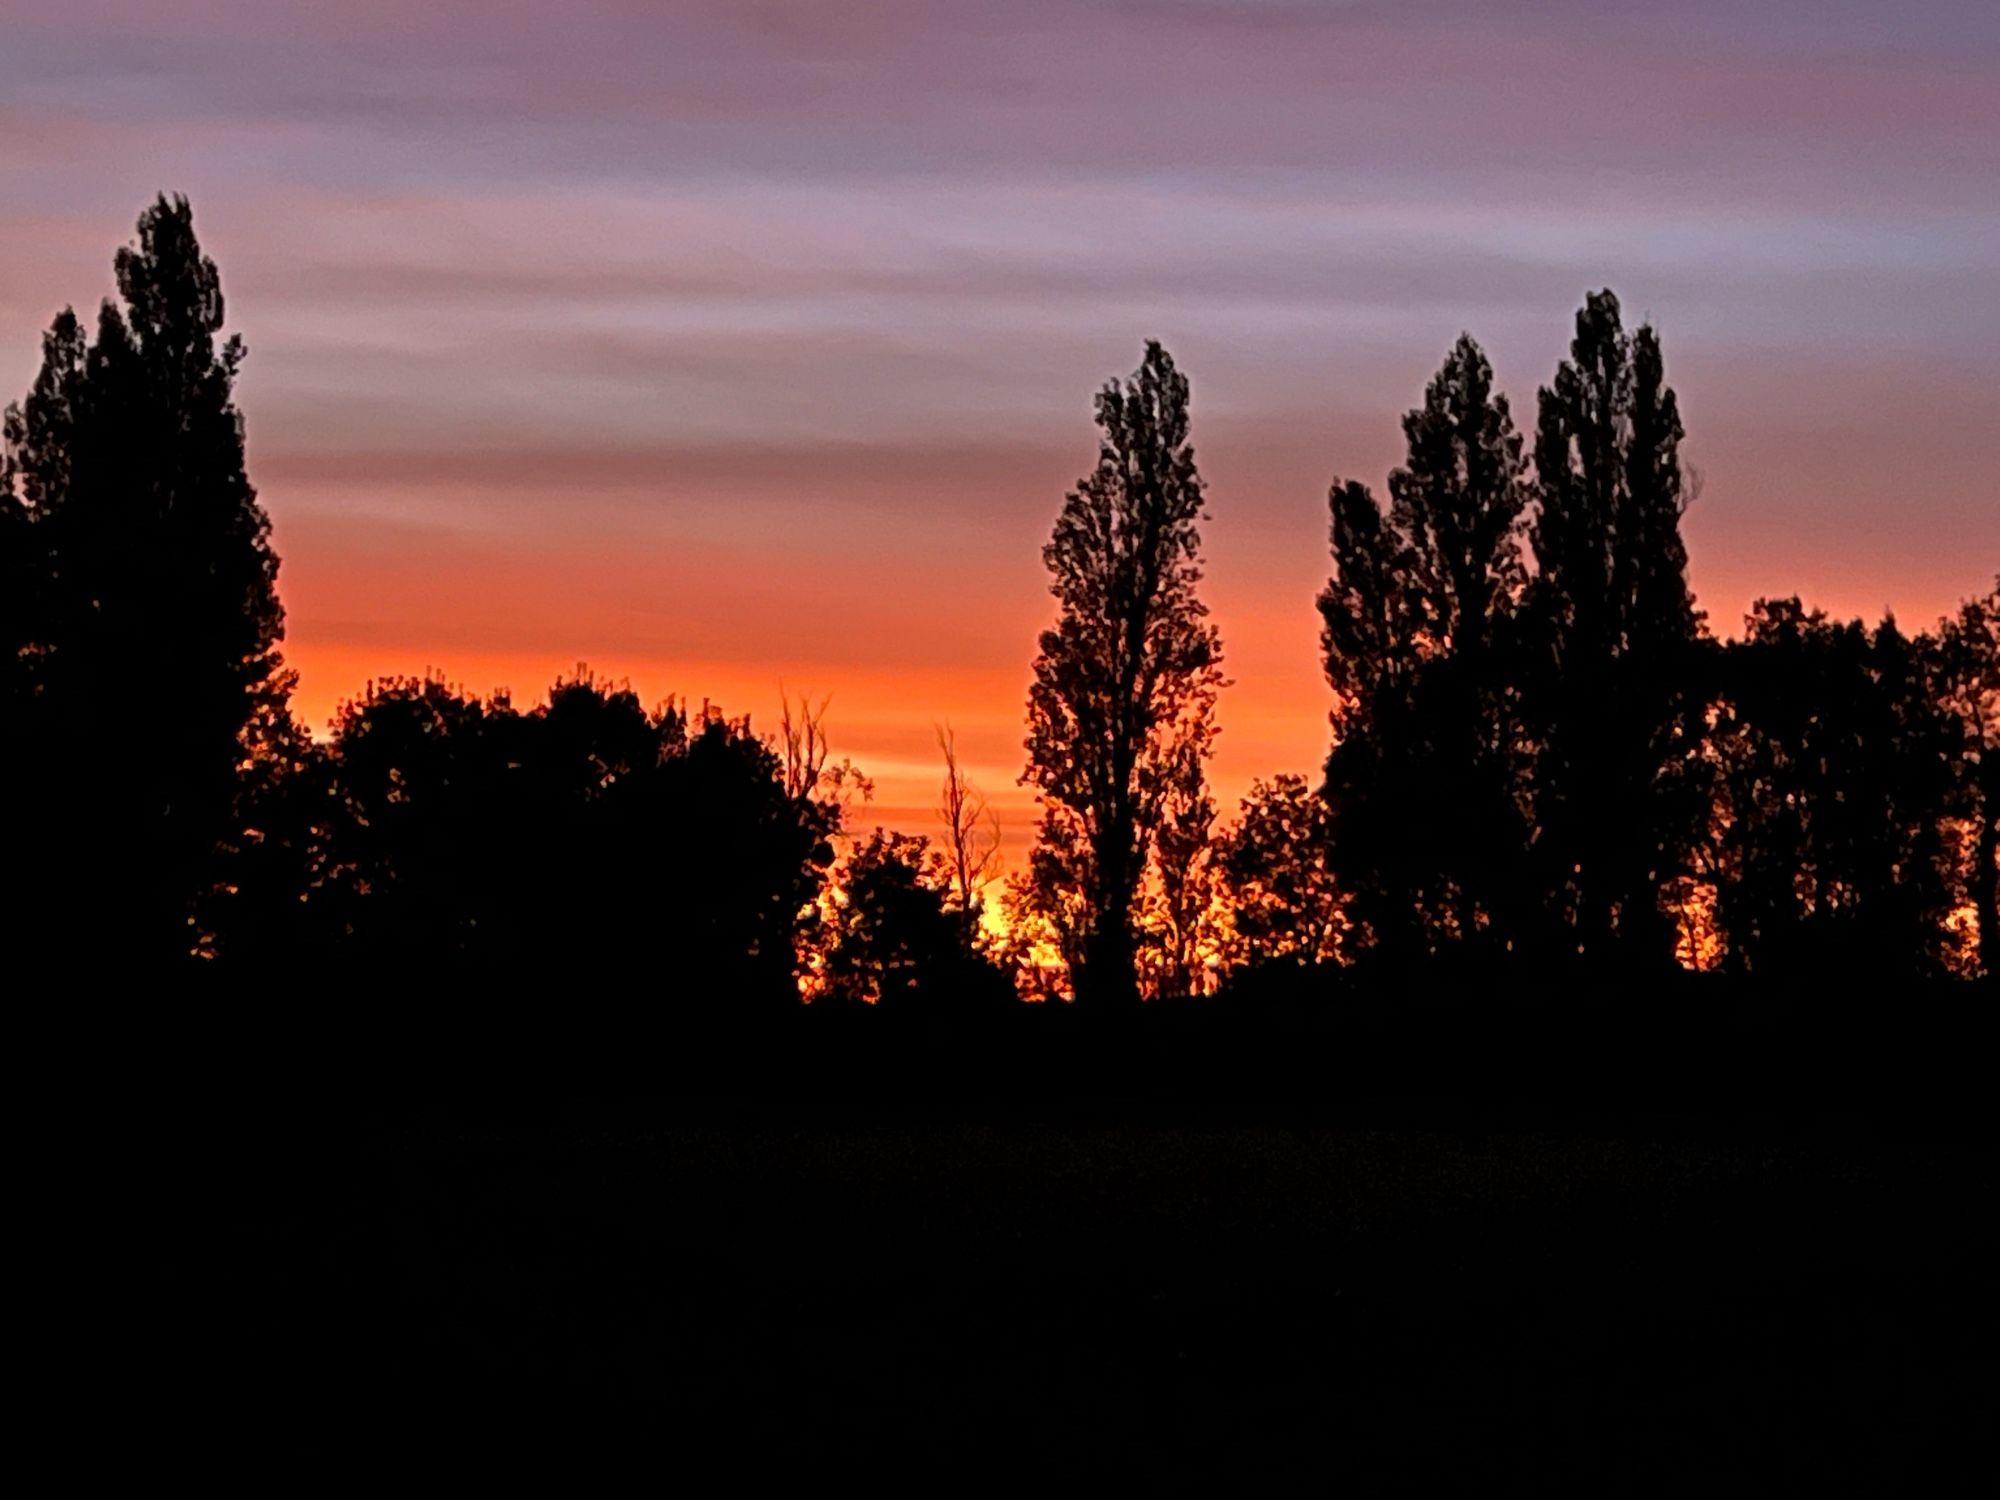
{"points": [[1542, 758]]}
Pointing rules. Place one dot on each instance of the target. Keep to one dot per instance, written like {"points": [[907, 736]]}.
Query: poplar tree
{"points": [[1121, 711], [1418, 622], [1614, 681]]}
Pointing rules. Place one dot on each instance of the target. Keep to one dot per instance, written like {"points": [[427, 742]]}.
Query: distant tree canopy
{"points": [[1557, 765], [468, 831], [1964, 668], [1282, 898], [895, 939], [1833, 763], [1541, 761], [1121, 713]]}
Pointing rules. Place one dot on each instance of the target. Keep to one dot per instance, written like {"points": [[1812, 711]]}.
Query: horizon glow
{"points": [[725, 346]]}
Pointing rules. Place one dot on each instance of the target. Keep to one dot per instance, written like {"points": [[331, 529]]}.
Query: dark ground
{"points": [[960, 1290]]}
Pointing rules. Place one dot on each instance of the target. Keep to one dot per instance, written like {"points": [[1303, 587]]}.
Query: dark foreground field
{"points": [[1130, 1291]]}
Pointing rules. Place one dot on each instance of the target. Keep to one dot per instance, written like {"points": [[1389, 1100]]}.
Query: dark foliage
{"points": [[1613, 688], [1964, 666], [1834, 781], [141, 656], [896, 940], [469, 834], [1122, 708], [1419, 625], [1279, 887]]}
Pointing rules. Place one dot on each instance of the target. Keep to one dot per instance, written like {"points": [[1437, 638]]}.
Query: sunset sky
{"points": [[724, 345]]}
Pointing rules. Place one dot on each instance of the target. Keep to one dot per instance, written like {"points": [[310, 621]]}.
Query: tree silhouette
{"points": [[896, 940], [425, 860], [1613, 695], [1046, 919], [1370, 642], [582, 834], [805, 750], [1966, 668], [1417, 625], [971, 839], [149, 600], [1834, 789], [1276, 870], [266, 904], [1126, 679], [1177, 926]]}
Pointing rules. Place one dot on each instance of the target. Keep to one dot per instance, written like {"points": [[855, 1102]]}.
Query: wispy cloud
{"points": [[725, 335]]}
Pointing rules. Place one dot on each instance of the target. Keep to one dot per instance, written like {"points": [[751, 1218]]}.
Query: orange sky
{"points": [[907, 587], [723, 345]]}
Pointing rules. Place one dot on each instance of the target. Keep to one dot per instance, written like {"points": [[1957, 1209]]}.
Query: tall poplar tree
{"points": [[1616, 701], [1126, 679], [146, 643], [1418, 620]]}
